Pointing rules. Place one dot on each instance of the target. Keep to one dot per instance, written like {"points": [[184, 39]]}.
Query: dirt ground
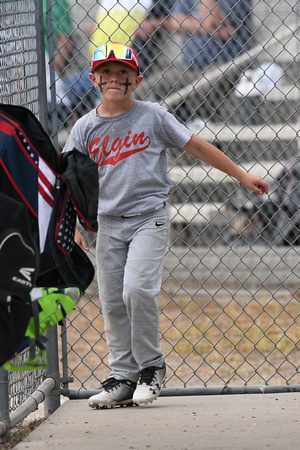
{"points": [[208, 341], [20, 432]]}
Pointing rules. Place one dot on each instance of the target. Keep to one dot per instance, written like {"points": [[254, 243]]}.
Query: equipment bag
{"points": [[41, 194]]}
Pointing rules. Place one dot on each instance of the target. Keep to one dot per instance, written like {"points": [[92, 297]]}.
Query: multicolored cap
{"points": [[115, 51]]}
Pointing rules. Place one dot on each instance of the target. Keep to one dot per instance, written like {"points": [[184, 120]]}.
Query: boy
{"points": [[128, 138]]}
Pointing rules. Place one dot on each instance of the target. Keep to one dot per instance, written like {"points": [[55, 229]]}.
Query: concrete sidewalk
{"points": [[253, 421]]}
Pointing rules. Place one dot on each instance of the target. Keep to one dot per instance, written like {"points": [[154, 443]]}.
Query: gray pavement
{"points": [[247, 421]]}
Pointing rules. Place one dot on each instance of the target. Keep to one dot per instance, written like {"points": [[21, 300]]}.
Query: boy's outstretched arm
{"points": [[211, 155]]}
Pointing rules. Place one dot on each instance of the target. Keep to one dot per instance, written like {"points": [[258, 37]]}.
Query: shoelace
{"points": [[148, 375], [110, 383]]}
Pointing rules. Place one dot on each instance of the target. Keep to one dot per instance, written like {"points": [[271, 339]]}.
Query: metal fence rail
{"points": [[229, 300]]}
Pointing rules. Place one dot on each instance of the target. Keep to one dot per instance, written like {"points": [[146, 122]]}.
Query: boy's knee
{"points": [[135, 296], [113, 310], [130, 293]]}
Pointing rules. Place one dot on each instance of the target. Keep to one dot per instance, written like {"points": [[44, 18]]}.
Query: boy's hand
{"points": [[79, 239], [255, 183]]}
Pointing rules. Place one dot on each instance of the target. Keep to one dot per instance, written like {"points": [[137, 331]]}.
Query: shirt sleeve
{"points": [[75, 141], [177, 134]]}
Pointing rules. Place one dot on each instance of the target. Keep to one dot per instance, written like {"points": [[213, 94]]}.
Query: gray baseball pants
{"points": [[130, 254]]}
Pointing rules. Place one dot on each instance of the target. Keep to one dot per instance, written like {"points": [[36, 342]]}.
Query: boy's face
{"points": [[115, 80]]}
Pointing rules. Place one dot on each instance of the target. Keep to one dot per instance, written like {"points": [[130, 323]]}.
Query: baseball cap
{"points": [[115, 51]]}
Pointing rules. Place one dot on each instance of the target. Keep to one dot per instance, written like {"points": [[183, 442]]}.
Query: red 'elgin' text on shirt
{"points": [[112, 153]]}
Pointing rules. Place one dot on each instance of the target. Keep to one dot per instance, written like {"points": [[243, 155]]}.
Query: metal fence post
{"points": [[4, 406], [40, 50], [53, 112], [52, 401]]}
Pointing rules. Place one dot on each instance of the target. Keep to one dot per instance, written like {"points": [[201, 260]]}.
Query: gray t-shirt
{"points": [[130, 150]]}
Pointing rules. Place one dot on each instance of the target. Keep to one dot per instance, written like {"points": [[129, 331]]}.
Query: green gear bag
{"points": [[50, 306]]}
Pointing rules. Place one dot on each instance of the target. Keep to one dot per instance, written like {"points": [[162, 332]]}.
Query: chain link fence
{"points": [[229, 299], [19, 85], [18, 57]]}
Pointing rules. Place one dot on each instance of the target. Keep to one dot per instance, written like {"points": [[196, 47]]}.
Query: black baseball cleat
{"points": [[149, 385], [114, 393]]}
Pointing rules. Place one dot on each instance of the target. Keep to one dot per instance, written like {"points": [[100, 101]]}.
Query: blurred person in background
{"points": [[212, 32], [62, 28], [75, 95], [117, 20], [152, 39], [139, 23]]}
